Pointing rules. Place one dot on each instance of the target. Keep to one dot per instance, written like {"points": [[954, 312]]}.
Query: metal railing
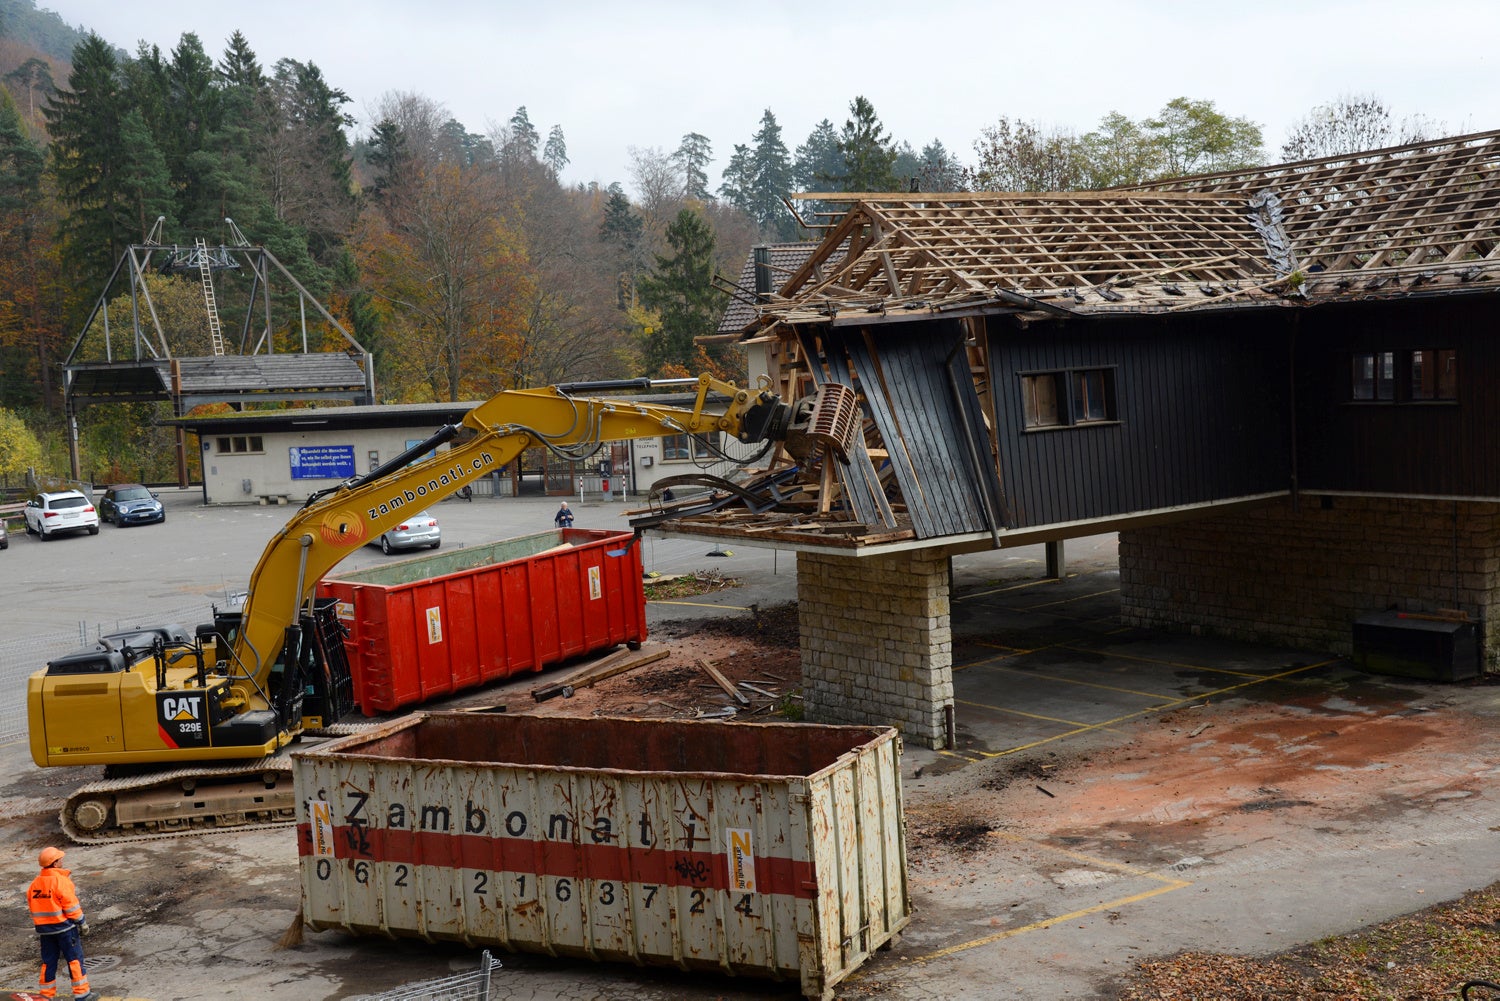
{"points": [[472, 986]]}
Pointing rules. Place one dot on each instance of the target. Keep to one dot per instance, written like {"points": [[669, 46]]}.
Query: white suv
{"points": [[62, 511]]}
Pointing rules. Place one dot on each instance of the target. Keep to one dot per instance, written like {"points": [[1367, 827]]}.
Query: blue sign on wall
{"points": [[322, 462]]}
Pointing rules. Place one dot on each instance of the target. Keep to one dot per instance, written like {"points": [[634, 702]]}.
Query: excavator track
{"points": [[181, 801], [247, 796]]}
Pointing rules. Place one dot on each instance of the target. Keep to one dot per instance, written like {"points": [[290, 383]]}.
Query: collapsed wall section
{"points": [[877, 647], [1301, 574]]}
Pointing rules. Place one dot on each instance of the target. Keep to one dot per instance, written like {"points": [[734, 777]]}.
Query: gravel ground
{"points": [[1426, 955]]}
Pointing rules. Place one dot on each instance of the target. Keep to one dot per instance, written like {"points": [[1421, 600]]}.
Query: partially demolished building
{"points": [[1278, 386]]}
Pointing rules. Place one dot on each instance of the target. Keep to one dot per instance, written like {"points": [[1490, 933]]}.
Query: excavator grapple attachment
{"points": [[834, 419]]}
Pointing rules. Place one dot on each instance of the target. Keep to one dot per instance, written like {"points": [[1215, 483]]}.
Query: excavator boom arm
{"points": [[336, 522]]}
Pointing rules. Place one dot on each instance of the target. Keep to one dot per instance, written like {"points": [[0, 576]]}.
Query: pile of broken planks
{"points": [[748, 697], [757, 696]]}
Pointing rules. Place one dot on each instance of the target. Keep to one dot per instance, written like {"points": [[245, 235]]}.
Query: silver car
{"points": [[415, 532], [47, 514]]}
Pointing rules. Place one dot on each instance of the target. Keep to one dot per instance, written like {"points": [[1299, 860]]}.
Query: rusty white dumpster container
{"points": [[428, 627], [772, 850]]}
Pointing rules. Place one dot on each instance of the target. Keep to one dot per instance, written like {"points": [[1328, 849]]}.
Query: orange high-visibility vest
{"points": [[54, 901]]}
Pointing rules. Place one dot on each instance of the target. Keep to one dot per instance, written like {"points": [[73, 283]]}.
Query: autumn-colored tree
{"points": [[1024, 156], [439, 262], [19, 448], [658, 186], [566, 324], [122, 442]]}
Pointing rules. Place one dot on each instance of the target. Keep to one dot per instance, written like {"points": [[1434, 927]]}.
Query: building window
{"points": [[239, 444], [1040, 394], [1412, 375], [1069, 398], [691, 446], [1375, 375], [707, 446], [1434, 374], [1093, 395]]}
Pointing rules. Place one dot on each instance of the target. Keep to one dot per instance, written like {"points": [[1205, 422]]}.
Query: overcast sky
{"points": [[644, 74]]}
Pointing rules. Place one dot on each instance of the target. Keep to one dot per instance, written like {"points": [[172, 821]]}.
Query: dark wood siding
{"points": [[1426, 448], [1202, 405]]}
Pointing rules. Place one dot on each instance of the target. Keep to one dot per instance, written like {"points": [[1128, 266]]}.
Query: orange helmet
{"points": [[49, 855]]}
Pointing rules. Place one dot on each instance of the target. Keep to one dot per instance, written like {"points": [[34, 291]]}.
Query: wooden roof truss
{"points": [[1411, 213], [1417, 219]]}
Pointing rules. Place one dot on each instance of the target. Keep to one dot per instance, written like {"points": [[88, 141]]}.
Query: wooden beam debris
{"points": [[616, 663], [723, 682]]}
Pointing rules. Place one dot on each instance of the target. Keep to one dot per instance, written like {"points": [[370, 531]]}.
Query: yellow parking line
{"points": [[1005, 590], [700, 604], [1010, 651], [1070, 600], [1175, 703], [1168, 885], [1081, 684], [1023, 715], [1164, 663]]}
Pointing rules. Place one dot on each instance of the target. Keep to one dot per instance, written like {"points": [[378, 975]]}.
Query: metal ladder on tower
{"points": [[215, 329]]}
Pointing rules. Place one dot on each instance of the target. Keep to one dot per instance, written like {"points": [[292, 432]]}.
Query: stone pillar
{"points": [[877, 648], [1301, 576]]}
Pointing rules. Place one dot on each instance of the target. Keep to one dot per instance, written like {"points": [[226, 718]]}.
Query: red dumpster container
{"points": [[435, 625]]}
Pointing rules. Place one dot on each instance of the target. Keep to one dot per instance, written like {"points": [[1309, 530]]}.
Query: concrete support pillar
{"points": [[1057, 563], [877, 648]]}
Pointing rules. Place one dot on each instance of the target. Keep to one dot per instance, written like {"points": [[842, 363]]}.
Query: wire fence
{"points": [[23, 656]]}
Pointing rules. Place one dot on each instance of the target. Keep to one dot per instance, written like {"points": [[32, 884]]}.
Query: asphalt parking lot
{"points": [[1114, 795]]}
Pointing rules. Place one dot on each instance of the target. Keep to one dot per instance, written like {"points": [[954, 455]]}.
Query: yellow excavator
{"points": [[191, 727]]}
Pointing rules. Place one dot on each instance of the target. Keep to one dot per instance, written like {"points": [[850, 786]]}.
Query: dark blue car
{"points": [[131, 504]]}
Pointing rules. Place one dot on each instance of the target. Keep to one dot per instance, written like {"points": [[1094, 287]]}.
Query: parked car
{"points": [[414, 533], [131, 504], [4, 538], [47, 514]]}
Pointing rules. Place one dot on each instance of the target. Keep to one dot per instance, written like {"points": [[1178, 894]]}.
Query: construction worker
{"points": [[59, 921]]}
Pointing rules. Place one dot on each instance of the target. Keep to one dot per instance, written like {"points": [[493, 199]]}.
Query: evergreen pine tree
{"points": [[555, 153], [625, 233], [939, 170], [315, 187], [141, 172], [21, 164], [868, 153], [756, 180], [682, 293], [819, 165], [24, 365], [522, 138], [692, 158], [85, 123]]}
